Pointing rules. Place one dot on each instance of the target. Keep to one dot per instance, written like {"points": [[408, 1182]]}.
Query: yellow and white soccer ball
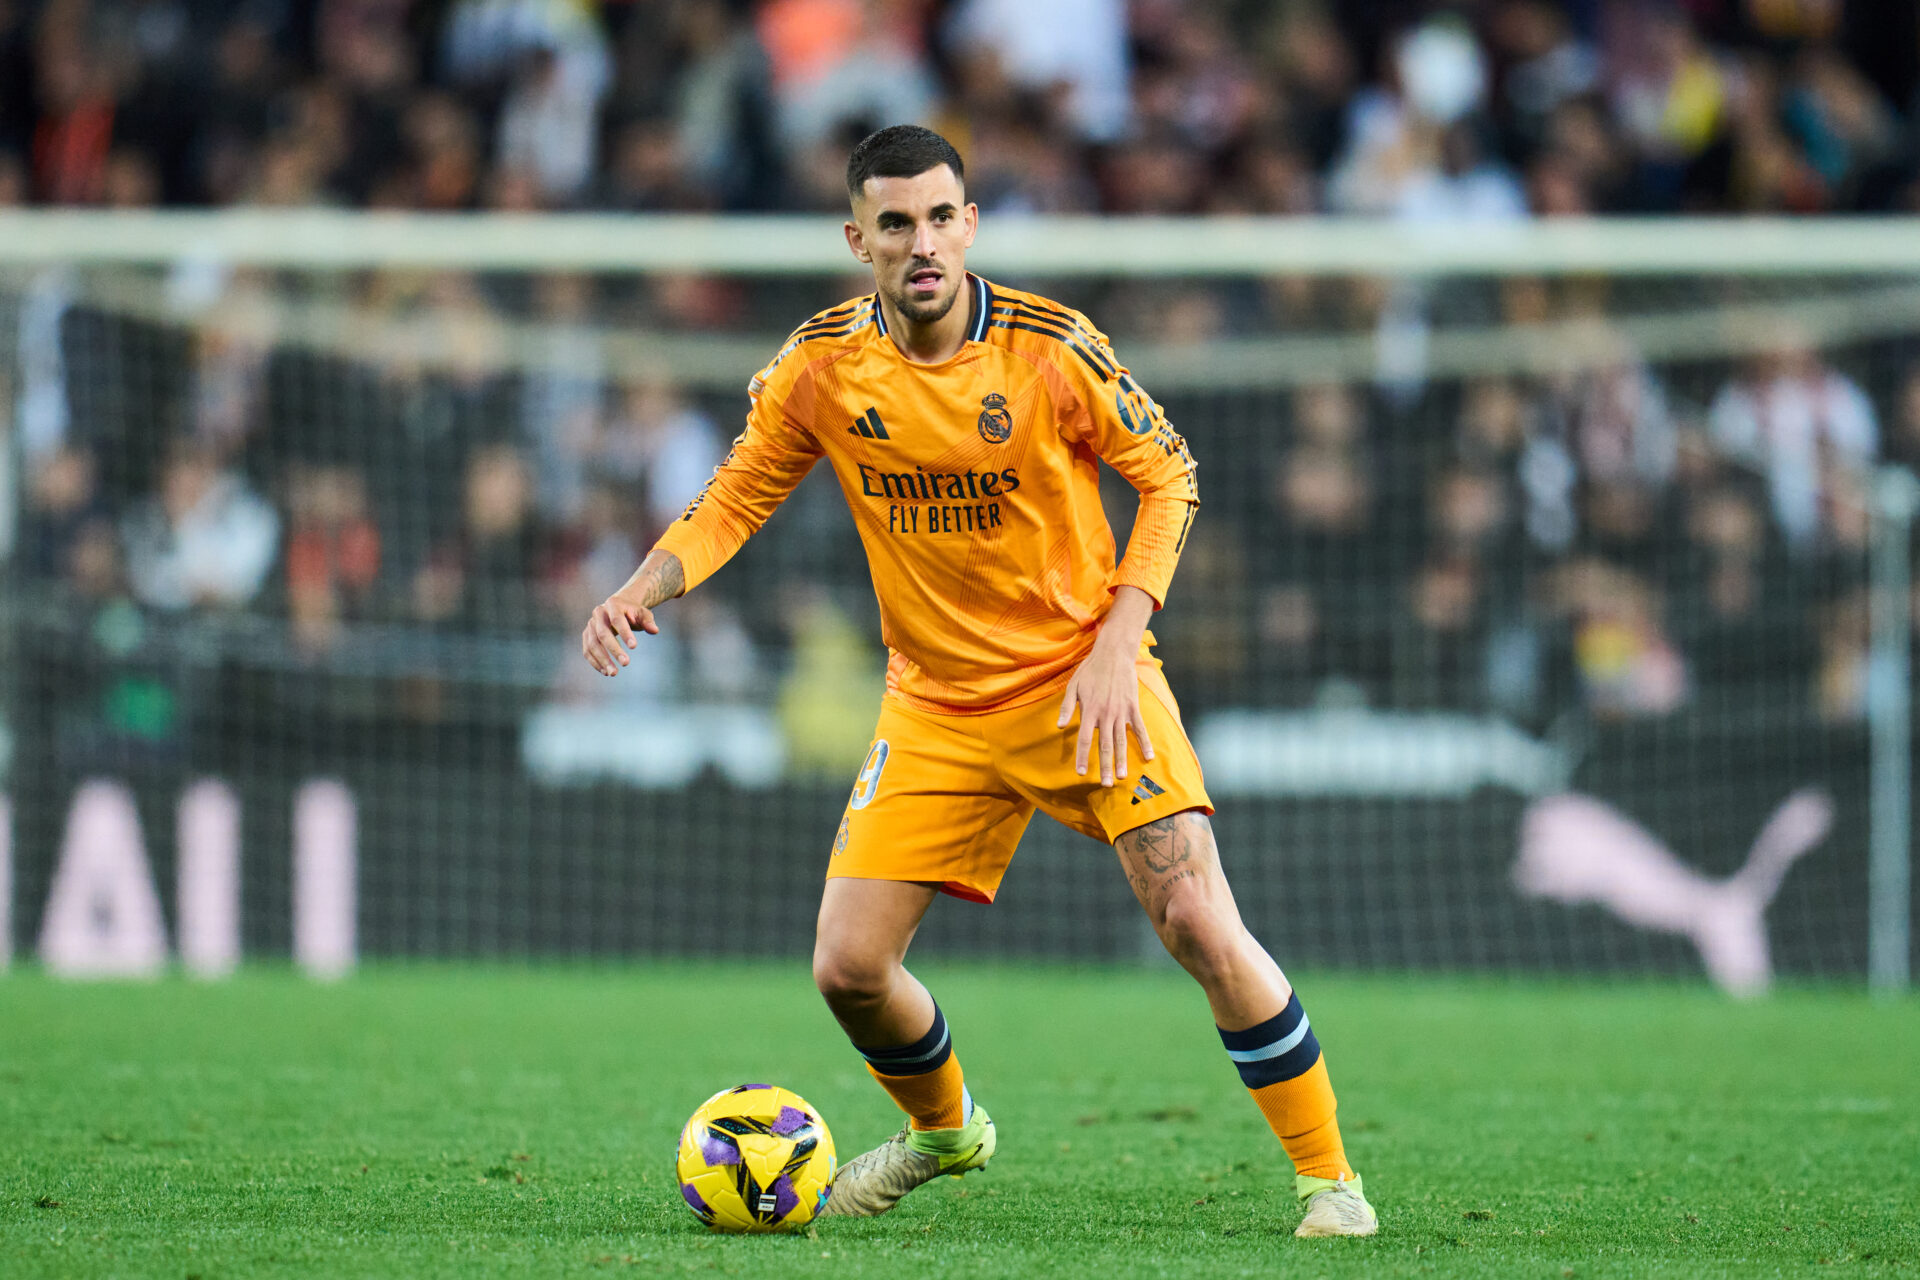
{"points": [[755, 1158]]}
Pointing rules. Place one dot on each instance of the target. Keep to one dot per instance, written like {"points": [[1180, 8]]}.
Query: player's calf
{"points": [[1175, 871], [895, 1026]]}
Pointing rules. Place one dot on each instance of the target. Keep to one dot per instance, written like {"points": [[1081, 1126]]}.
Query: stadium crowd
{"points": [[1618, 537], [1622, 538], [1468, 109]]}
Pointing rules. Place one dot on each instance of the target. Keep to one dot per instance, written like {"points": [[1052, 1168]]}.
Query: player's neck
{"points": [[934, 342]]}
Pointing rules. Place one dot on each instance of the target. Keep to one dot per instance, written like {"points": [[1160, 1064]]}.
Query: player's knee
{"points": [[1199, 931], [851, 981]]}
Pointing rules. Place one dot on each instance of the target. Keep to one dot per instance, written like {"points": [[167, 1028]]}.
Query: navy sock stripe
{"points": [[927, 1054], [1280, 1048]]}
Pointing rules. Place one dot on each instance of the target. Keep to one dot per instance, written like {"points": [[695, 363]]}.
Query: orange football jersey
{"points": [[974, 483]]}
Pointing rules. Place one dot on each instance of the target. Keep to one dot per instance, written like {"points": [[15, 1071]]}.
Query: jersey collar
{"points": [[982, 309], [981, 300]]}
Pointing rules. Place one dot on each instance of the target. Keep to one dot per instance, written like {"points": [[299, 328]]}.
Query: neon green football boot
{"points": [[868, 1185], [1335, 1207]]}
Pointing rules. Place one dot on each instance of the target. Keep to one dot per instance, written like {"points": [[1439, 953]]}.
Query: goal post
{"points": [[1550, 605], [1049, 245]]}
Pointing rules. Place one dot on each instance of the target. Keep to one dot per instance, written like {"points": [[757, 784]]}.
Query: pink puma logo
{"points": [[1576, 849]]}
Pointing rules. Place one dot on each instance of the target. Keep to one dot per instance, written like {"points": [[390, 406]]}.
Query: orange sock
{"points": [[935, 1100], [923, 1077], [1300, 1112], [1280, 1063]]}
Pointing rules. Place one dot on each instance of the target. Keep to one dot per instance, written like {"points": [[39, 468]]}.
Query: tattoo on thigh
{"points": [[1160, 844], [1175, 878]]}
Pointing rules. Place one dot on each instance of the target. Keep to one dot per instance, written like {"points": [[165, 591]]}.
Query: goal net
{"points": [[1548, 608]]}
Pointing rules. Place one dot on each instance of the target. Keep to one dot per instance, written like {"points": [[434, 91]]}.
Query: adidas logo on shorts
{"points": [[1147, 789]]}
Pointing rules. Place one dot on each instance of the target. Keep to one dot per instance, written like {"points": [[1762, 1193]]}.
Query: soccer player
{"points": [[965, 423]]}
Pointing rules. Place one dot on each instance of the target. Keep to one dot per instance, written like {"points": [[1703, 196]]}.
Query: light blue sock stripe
{"points": [[946, 1038], [1274, 1050]]}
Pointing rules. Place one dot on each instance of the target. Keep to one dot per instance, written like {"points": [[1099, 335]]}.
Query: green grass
{"points": [[455, 1121]]}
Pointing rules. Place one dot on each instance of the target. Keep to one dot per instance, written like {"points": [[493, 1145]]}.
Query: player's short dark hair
{"points": [[899, 151]]}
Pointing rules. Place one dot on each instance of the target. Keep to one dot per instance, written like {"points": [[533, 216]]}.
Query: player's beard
{"points": [[932, 312]]}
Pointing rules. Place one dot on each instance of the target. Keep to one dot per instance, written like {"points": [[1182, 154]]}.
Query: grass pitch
{"points": [[470, 1121]]}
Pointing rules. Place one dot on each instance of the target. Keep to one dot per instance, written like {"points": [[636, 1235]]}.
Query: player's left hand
{"points": [[1106, 689]]}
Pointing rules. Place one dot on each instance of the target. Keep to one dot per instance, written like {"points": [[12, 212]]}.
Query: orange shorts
{"points": [[942, 799]]}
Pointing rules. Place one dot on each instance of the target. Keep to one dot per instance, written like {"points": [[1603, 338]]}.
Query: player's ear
{"points": [[973, 222], [857, 241]]}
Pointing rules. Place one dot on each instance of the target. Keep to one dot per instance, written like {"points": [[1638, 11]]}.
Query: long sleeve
{"points": [[767, 461], [1124, 425]]}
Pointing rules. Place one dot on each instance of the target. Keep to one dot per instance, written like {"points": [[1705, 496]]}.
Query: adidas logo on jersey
{"points": [[869, 425]]}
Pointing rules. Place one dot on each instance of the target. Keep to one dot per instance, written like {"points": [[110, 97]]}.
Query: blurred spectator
{"points": [[1546, 65], [843, 66], [1842, 127], [560, 398], [77, 111], [1323, 562], [238, 114], [1072, 50], [722, 111], [1204, 89], [1318, 75], [1016, 166], [231, 348], [1841, 679], [63, 502], [1621, 440], [646, 172], [204, 539], [655, 441], [487, 42], [494, 574], [1669, 92], [1626, 663], [1417, 152], [549, 127], [443, 144], [333, 553], [1796, 420]]}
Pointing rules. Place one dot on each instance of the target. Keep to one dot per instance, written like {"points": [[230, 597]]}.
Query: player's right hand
{"points": [[609, 633]]}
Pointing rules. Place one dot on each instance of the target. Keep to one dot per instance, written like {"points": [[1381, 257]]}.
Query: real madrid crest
{"points": [[996, 424]]}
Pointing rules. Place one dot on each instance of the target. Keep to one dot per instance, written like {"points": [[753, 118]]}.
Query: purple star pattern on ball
{"points": [[718, 1150], [694, 1201], [791, 1120]]}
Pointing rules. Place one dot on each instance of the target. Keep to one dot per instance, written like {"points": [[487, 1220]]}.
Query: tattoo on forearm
{"points": [[666, 579]]}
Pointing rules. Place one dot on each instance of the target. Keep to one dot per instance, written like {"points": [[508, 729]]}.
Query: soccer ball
{"points": [[755, 1158]]}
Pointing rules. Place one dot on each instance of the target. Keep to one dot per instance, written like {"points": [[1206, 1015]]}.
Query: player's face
{"points": [[915, 232]]}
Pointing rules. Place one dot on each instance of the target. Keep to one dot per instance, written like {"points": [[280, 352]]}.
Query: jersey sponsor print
{"points": [[974, 484]]}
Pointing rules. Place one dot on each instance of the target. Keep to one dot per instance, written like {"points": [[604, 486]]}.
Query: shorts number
{"points": [[869, 780]]}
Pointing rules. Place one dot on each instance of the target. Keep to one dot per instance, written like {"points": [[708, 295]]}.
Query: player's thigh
{"points": [[928, 807], [1036, 757], [867, 925], [1173, 865]]}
